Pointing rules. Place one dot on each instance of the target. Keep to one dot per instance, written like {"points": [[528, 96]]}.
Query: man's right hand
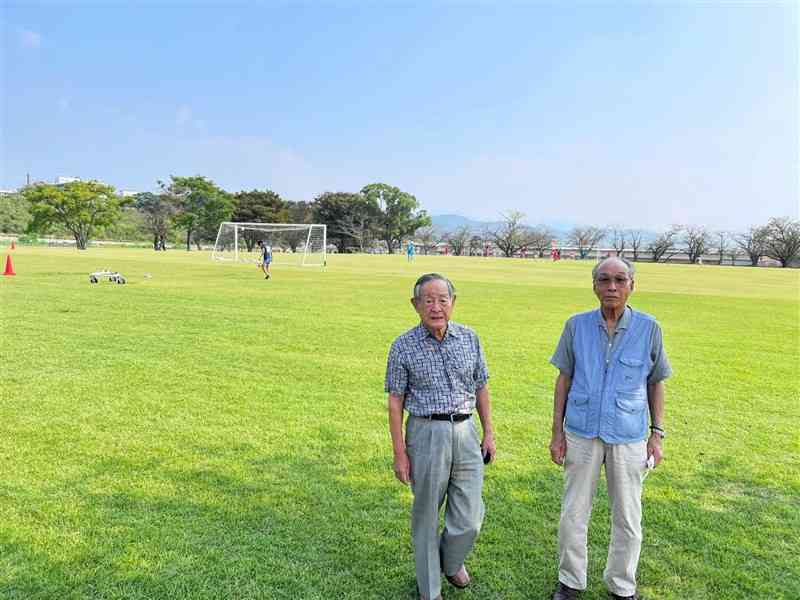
{"points": [[402, 467], [558, 447]]}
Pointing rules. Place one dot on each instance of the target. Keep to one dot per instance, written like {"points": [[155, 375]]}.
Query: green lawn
{"points": [[203, 433]]}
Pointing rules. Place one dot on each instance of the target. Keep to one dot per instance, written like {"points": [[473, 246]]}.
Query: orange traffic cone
{"points": [[13, 244], [9, 266]]}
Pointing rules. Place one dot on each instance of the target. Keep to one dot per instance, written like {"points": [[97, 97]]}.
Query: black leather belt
{"points": [[454, 418]]}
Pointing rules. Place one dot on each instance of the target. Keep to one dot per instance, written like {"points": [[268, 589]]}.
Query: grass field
{"points": [[203, 433]]}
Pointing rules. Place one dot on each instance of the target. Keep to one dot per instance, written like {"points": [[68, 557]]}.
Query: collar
{"points": [[453, 330], [623, 323]]}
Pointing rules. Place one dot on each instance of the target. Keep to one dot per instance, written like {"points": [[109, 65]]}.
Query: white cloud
{"points": [[30, 39]]}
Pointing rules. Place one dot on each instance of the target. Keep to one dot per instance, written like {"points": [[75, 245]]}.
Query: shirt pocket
{"points": [[461, 365]]}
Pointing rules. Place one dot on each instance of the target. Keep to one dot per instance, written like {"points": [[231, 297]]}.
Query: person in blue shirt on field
{"points": [[266, 257], [612, 366], [410, 251]]}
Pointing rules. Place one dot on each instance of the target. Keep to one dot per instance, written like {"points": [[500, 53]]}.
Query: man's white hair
{"points": [[628, 265]]}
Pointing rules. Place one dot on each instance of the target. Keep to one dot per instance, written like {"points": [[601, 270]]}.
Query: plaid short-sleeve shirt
{"points": [[436, 377]]}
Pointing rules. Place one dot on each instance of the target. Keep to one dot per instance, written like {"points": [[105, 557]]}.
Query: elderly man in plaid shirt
{"points": [[436, 371]]}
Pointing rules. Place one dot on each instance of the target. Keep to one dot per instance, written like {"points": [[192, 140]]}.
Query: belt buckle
{"points": [[453, 418]]}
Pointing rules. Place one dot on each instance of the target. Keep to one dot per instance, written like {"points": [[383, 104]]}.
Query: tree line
{"points": [[195, 206], [778, 240]]}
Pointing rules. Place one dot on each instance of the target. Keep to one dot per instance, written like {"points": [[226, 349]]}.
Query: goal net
{"points": [[292, 244]]}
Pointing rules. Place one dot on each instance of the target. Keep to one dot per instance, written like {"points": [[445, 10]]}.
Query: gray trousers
{"points": [[446, 463], [625, 466]]}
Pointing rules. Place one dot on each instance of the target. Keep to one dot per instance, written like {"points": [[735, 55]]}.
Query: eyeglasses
{"points": [[429, 301], [606, 280]]}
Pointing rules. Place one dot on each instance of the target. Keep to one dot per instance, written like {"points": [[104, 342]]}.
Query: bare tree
{"points": [[635, 238], [783, 240], [753, 242], [429, 238], [476, 245], [540, 238], [458, 239], [618, 237], [512, 235], [723, 244], [696, 239], [585, 239], [360, 227], [662, 248]]}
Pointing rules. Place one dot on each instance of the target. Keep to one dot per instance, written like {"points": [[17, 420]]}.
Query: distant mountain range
{"points": [[451, 222]]}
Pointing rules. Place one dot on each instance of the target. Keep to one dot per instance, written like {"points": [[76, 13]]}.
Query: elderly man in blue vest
{"points": [[608, 410]]}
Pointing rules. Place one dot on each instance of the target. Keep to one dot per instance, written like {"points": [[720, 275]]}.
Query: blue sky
{"points": [[626, 113]]}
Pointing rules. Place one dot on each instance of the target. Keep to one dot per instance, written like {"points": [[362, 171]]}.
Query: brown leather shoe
{"points": [[564, 592], [460, 579]]}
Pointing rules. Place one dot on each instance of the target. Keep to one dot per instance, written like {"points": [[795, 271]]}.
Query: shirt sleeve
{"points": [[661, 367], [396, 372], [564, 358], [481, 373]]}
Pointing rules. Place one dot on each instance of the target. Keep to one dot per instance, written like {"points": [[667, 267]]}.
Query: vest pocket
{"points": [[577, 405], [631, 414], [631, 371]]}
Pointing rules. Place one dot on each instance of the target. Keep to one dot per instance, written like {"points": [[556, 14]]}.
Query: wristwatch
{"points": [[657, 430]]}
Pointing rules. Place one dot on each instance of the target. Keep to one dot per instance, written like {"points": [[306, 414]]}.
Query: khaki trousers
{"points": [[626, 465], [446, 462]]}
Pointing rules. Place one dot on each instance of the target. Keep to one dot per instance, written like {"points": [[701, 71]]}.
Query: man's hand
{"points": [[654, 448], [558, 447], [488, 445], [402, 467]]}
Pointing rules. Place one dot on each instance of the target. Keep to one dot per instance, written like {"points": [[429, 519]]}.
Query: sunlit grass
{"points": [[203, 433]]}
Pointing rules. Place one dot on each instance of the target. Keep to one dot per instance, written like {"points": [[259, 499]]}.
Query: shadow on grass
{"points": [[233, 523]]}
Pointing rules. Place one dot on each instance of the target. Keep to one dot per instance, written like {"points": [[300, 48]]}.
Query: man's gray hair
{"points": [[451, 290], [628, 265]]}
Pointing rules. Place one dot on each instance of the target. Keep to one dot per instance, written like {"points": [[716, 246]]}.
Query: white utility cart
{"points": [[113, 276]]}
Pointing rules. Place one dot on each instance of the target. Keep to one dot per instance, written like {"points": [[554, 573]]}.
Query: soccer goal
{"points": [[292, 243]]}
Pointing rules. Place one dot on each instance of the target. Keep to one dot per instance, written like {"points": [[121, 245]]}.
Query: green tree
{"points": [[299, 212], [350, 218], [14, 213], [158, 211], [201, 206], [258, 206], [80, 206], [399, 213], [128, 227]]}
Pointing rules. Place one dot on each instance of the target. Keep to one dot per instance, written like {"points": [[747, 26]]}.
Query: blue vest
{"points": [[610, 401]]}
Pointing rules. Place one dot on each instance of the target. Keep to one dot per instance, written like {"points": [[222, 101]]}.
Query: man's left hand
{"points": [[488, 445], [654, 448]]}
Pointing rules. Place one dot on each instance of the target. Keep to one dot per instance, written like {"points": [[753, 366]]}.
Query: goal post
{"points": [[301, 244]]}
